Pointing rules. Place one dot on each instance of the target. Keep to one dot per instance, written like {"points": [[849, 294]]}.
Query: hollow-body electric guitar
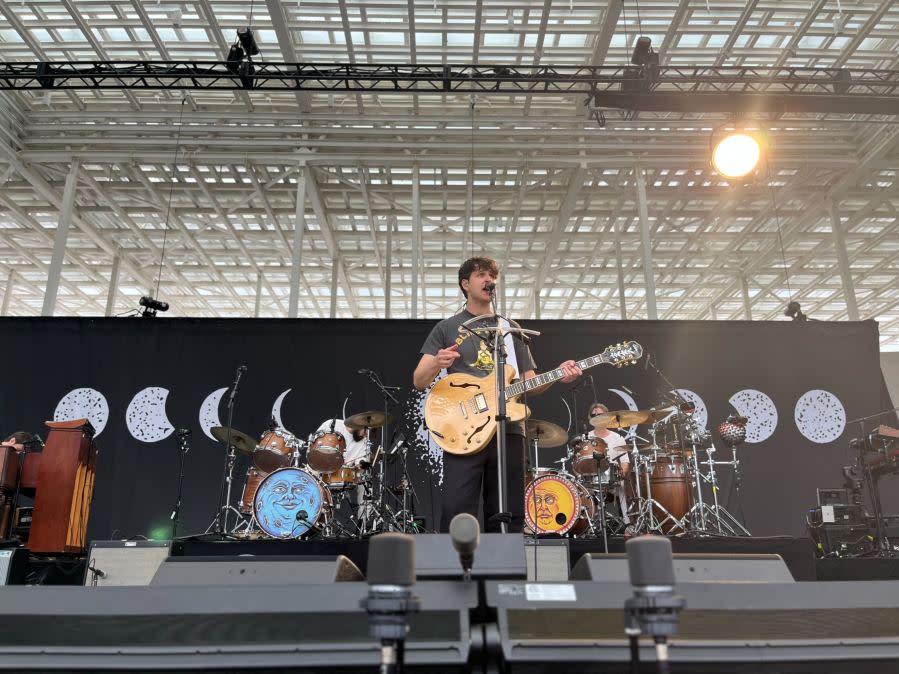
{"points": [[460, 410]]}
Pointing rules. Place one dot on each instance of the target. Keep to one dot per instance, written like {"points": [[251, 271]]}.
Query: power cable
{"points": [[168, 208]]}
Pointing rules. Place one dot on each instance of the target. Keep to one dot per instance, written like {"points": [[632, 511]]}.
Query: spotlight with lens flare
{"points": [[736, 153]]}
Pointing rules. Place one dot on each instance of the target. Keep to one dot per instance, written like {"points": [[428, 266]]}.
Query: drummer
{"points": [[616, 452]]}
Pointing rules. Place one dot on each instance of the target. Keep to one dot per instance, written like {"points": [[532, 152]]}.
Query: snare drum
{"points": [[344, 477], [254, 477], [584, 462], [291, 503], [275, 450], [326, 451], [554, 504]]}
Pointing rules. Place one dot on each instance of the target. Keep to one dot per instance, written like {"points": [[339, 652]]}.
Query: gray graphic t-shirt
{"points": [[476, 356]]}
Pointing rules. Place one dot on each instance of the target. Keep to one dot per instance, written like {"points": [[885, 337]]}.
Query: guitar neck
{"points": [[549, 377]]}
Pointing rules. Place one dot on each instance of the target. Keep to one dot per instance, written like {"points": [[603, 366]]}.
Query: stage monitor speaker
{"points": [[498, 556], [690, 568], [13, 566], [247, 570], [124, 563], [547, 558]]}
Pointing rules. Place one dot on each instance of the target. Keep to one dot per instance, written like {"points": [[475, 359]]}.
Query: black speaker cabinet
{"points": [[124, 563], [13, 566], [287, 570], [689, 568]]}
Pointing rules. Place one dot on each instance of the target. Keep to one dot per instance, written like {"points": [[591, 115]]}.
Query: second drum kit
{"points": [[294, 488], [665, 483]]}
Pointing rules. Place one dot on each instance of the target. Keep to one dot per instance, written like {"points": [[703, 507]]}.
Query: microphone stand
{"points": [[183, 449], [388, 398], [499, 369], [220, 523]]}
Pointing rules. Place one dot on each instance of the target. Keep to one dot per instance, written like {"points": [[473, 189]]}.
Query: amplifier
{"points": [[21, 523], [13, 566], [829, 497], [845, 539], [840, 514], [124, 562]]}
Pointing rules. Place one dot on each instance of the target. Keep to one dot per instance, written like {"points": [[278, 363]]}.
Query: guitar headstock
{"points": [[623, 353]]}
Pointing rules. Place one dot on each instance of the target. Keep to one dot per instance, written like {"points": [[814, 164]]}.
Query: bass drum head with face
{"points": [[552, 504], [289, 503]]}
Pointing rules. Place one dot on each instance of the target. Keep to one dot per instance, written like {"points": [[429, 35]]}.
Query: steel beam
{"points": [[416, 236], [113, 284], [297, 252], [839, 243], [646, 243], [747, 300], [7, 292], [66, 210], [257, 305]]}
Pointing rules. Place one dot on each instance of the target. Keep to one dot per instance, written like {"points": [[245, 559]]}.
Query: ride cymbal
{"points": [[547, 433], [625, 418], [240, 441], [363, 420]]}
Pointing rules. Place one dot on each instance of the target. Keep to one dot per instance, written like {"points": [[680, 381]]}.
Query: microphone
{"points": [[625, 388], [653, 609], [391, 572], [363, 371], [646, 362], [302, 516], [466, 535], [490, 287], [183, 432]]}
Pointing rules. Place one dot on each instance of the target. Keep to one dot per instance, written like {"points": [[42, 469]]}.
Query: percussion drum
{"points": [[554, 504], [292, 502], [326, 451], [344, 477], [671, 488], [584, 461], [254, 477], [275, 450]]}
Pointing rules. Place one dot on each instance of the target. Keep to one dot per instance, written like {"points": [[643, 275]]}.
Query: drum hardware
{"points": [[183, 448]]}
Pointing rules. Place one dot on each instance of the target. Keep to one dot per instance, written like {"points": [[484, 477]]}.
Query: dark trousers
{"points": [[467, 478]]}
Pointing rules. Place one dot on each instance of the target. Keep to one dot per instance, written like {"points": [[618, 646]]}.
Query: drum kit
{"points": [[666, 483], [294, 488]]}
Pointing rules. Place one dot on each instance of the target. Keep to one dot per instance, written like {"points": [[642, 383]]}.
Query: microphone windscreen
{"points": [[465, 533], [391, 559], [649, 561]]}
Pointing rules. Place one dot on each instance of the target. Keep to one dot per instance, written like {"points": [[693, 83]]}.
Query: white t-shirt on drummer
{"points": [[356, 450], [617, 447]]}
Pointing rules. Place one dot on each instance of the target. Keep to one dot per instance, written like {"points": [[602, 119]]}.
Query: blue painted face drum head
{"points": [[288, 503]]}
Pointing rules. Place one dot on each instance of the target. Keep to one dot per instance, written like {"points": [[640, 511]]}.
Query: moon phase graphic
{"points": [[820, 416], [209, 411], [631, 405], [276, 408], [424, 446], [701, 415], [146, 416], [83, 403], [759, 409]]}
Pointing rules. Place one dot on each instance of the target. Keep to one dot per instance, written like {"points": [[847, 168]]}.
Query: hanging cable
{"points": [[639, 22], [627, 44], [471, 186], [783, 254], [168, 208]]}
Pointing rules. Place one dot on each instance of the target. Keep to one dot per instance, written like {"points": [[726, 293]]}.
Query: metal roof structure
{"points": [[397, 188]]}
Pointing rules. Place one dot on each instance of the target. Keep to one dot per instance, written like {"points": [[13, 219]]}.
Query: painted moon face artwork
{"points": [[83, 403], [701, 413], [146, 417], [288, 503], [759, 409], [209, 411], [820, 416]]}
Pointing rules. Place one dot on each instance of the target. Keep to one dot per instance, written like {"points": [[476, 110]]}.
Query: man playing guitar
{"points": [[467, 477]]}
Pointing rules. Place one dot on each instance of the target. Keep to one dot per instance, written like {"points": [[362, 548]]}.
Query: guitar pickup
{"points": [[463, 410], [481, 403]]}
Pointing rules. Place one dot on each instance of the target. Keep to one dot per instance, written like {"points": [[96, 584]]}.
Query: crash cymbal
{"points": [[547, 433], [363, 420], [240, 441], [625, 418]]}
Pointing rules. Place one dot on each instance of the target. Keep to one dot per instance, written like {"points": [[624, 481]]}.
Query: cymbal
{"points": [[625, 418], [363, 420], [240, 441], [547, 433]]}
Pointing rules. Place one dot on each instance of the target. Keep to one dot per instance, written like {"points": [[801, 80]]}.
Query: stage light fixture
{"points": [[737, 154]]}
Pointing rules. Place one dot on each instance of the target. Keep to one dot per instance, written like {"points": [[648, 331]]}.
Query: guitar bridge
{"points": [[480, 403]]}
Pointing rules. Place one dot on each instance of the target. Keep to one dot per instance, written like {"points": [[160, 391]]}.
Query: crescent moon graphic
{"points": [[631, 405], [702, 413], [276, 408], [146, 417], [820, 416], [759, 409], [209, 411], [83, 403]]}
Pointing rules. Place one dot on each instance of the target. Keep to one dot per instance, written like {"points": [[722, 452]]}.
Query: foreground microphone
{"points": [[391, 572], [465, 532], [490, 287], [653, 609]]}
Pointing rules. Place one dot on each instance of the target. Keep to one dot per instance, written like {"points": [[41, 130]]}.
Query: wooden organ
{"points": [[63, 479]]}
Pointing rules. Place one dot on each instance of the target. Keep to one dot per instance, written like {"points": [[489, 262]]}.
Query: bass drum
{"points": [[671, 488], [292, 503], [554, 504]]}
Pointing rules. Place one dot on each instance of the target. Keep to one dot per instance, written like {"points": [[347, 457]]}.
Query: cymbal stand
{"points": [[219, 525], [718, 516]]}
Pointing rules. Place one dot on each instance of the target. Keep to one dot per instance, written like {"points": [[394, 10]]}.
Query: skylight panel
{"points": [[459, 39], [572, 40]]}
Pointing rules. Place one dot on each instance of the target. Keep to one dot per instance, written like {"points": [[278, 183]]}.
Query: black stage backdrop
{"points": [[765, 369]]}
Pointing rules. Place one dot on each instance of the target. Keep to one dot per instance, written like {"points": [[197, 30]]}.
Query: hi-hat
{"points": [[363, 420], [625, 418], [547, 433], [240, 441]]}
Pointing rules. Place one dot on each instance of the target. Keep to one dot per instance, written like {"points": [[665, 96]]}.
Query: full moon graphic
{"points": [[209, 411], [820, 416], [276, 408], [146, 416], [759, 409], [83, 403]]}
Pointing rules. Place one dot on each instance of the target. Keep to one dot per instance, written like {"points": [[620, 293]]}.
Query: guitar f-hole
{"points": [[464, 385], [478, 430]]}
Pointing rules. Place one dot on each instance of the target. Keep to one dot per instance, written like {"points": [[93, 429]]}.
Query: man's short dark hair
{"points": [[473, 264], [20, 437]]}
